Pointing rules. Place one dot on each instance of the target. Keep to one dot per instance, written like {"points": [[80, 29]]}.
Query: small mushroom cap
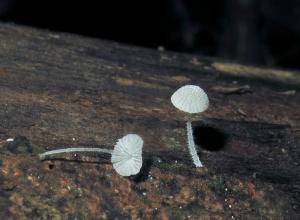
{"points": [[127, 155], [190, 99]]}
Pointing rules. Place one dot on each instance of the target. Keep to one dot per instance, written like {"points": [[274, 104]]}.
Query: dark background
{"points": [[260, 32]]}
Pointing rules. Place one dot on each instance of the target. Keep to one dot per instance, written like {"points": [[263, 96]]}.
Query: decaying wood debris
{"points": [[61, 90]]}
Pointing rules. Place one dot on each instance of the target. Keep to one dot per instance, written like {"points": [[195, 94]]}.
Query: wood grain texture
{"points": [[62, 90]]}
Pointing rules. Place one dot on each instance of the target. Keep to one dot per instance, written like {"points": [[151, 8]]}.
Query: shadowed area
{"points": [[209, 138], [144, 172]]}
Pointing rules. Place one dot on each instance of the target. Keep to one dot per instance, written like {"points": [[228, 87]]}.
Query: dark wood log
{"points": [[61, 90]]}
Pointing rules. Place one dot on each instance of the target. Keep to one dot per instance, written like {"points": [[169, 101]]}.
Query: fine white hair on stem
{"points": [[191, 145], [73, 150]]}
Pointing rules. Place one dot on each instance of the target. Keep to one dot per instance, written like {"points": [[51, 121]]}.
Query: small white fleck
{"points": [[225, 200], [180, 207], [144, 193], [73, 139], [160, 48], [55, 36], [230, 206], [175, 161], [232, 217], [9, 139], [68, 187], [226, 189], [155, 208]]}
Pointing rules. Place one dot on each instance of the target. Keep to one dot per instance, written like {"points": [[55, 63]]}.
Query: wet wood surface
{"points": [[61, 90]]}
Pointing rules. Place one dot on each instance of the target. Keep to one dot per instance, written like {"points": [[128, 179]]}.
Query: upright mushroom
{"points": [[126, 156], [191, 99]]}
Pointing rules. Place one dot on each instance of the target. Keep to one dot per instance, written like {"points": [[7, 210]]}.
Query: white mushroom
{"points": [[191, 99], [9, 140], [126, 156]]}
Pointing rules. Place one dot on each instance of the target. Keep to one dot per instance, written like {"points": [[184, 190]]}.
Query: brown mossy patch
{"points": [[138, 83], [236, 69], [93, 190], [180, 78], [3, 72]]}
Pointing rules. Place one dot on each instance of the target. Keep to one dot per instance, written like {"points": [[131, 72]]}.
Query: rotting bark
{"points": [[61, 90]]}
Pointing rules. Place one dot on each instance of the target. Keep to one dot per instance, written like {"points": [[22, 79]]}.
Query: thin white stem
{"points": [[74, 149], [191, 144]]}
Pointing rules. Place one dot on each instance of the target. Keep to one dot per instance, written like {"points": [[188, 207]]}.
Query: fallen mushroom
{"points": [[126, 156], [191, 99]]}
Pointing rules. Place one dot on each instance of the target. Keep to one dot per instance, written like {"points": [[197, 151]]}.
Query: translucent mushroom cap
{"points": [[127, 155], [190, 99]]}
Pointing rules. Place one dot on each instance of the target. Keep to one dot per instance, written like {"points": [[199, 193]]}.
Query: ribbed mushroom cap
{"points": [[127, 155], [190, 99]]}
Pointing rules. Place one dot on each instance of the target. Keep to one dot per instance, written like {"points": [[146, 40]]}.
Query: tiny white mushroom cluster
{"points": [[191, 99], [126, 156]]}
